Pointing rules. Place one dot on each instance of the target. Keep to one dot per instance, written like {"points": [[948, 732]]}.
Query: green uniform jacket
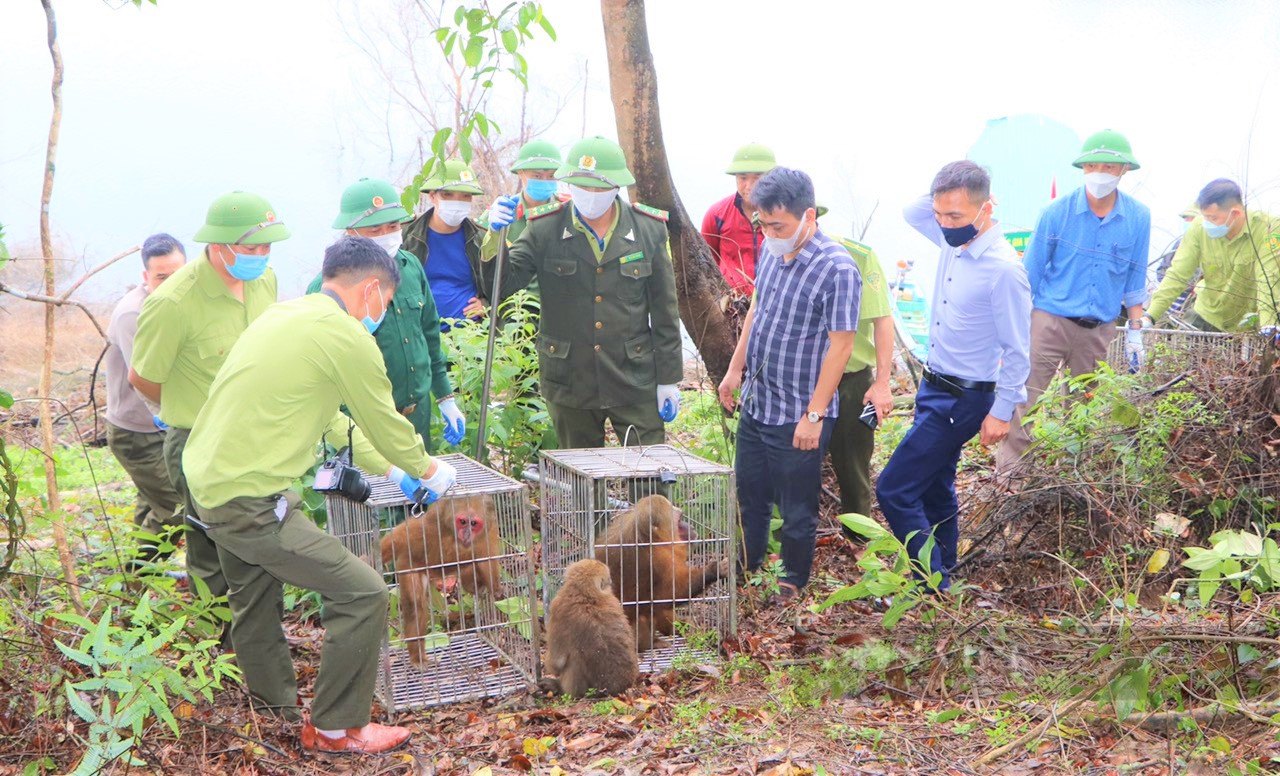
{"points": [[409, 337], [610, 331], [415, 242], [874, 304], [1241, 275], [278, 394]]}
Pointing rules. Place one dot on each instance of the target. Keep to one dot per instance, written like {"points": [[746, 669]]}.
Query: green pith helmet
{"points": [[369, 202], [595, 163], [241, 218], [1106, 147], [820, 209], [537, 155], [456, 176], [752, 157], [1190, 211]]}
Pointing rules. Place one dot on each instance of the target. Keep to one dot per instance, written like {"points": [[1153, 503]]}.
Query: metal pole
{"points": [[482, 450]]}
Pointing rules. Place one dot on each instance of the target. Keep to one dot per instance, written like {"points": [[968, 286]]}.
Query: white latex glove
{"points": [[437, 484], [668, 402], [502, 212], [455, 424], [1134, 351]]}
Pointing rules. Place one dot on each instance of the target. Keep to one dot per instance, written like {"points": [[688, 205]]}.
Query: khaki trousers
{"points": [[142, 456], [202, 556], [1056, 343], [265, 543]]}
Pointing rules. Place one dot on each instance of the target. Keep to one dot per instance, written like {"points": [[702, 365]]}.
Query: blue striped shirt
{"points": [[798, 303], [1082, 266]]}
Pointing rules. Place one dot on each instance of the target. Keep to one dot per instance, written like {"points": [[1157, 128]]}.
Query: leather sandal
{"points": [[370, 739]]}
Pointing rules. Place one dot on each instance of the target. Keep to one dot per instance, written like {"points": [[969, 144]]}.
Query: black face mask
{"points": [[958, 235]]}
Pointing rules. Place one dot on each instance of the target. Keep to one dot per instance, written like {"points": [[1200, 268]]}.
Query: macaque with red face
{"points": [[455, 542], [647, 551]]}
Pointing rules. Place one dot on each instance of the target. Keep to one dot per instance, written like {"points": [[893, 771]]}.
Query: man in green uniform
{"points": [[852, 439], [277, 395], [536, 165], [188, 326], [446, 243], [609, 342], [1238, 255], [410, 336]]}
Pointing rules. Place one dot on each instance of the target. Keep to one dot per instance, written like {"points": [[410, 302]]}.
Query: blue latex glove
{"points": [[408, 483], [455, 424], [1134, 351], [160, 424], [428, 490], [502, 212], [668, 402]]}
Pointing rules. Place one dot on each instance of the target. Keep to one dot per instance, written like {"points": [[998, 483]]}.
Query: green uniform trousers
{"points": [[421, 420], [202, 556], [852, 443], [264, 543], [578, 428], [142, 457]]}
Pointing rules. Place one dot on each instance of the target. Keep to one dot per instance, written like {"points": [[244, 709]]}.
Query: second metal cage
{"points": [[582, 491]]}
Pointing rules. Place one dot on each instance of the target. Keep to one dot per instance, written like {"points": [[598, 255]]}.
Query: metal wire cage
{"points": [[463, 622], [584, 491], [1171, 352]]}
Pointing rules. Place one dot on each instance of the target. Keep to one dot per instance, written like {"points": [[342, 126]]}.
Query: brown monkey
{"points": [[646, 549], [455, 542], [590, 645]]}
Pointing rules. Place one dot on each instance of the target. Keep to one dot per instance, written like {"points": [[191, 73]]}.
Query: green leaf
{"points": [[474, 51], [941, 717], [865, 526], [1220, 744], [81, 707], [546, 26], [83, 658], [509, 41], [899, 608], [6, 398], [441, 34]]}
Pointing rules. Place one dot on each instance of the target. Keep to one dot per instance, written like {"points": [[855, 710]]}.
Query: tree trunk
{"points": [[633, 86], [56, 517]]}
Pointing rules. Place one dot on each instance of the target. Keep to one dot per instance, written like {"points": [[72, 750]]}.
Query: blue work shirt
{"points": [[798, 303], [449, 273], [1082, 266], [980, 324]]}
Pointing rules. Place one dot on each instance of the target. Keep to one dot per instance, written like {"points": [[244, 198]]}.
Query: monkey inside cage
{"points": [[665, 523], [463, 597]]}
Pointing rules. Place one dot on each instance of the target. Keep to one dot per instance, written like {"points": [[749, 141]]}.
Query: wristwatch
{"points": [[813, 417]]}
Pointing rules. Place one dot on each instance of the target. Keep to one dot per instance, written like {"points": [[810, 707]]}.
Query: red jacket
{"points": [[734, 243]]}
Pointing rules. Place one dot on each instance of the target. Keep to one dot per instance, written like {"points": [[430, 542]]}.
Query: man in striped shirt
{"points": [[796, 340]]}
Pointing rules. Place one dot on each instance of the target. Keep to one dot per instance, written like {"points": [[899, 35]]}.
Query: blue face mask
{"points": [[539, 190], [370, 323], [247, 266], [1217, 231]]}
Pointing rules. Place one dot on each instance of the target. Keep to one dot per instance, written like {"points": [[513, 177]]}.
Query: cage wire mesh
{"points": [[583, 492], [462, 618], [1171, 352]]}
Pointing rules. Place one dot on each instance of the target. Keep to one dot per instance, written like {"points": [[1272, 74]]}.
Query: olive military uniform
{"points": [[409, 339], [610, 330], [275, 397], [852, 441], [185, 331]]}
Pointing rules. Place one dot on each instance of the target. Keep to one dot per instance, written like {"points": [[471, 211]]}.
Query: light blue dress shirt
{"points": [[980, 327], [1082, 266]]}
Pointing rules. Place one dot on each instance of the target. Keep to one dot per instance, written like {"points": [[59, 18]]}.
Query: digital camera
{"points": [[337, 475]]}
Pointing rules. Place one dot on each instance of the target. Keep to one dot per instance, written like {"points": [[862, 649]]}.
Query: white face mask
{"points": [[781, 246], [390, 242], [452, 211], [592, 203], [1100, 184]]}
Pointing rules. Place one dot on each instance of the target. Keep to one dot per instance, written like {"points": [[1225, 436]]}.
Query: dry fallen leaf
{"points": [[584, 742]]}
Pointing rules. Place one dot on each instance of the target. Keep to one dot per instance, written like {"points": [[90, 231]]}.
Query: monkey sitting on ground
{"points": [[590, 646], [455, 542], [647, 551]]}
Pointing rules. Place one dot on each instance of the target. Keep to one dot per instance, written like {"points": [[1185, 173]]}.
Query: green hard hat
{"points": [[369, 202], [595, 163], [455, 176], [241, 218], [537, 155], [752, 157], [1106, 147]]}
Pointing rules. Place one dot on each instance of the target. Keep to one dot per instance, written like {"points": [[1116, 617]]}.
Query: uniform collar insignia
{"points": [[567, 234], [630, 235]]}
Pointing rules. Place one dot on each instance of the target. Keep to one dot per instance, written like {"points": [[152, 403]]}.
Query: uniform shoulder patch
{"points": [[652, 212], [542, 210], [854, 247]]}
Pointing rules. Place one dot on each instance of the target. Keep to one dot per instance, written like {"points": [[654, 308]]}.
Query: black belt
{"points": [[953, 385], [1085, 323]]}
